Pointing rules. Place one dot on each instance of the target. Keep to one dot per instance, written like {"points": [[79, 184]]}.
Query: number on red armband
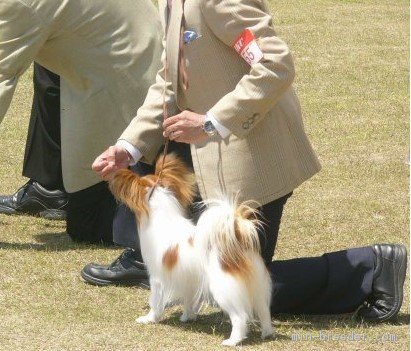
{"points": [[248, 48]]}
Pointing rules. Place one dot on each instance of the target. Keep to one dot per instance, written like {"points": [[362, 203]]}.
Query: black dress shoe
{"points": [[125, 270], [33, 199], [385, 300]]}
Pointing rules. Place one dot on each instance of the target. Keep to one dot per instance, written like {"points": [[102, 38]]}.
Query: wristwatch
{"points": [[209, 129]]}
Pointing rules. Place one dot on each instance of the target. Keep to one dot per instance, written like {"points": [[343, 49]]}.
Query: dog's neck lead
{"points": [[165, 116]]}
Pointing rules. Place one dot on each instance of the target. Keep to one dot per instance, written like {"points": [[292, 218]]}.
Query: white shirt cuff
{"points": [[132, 150], [223, 131]]}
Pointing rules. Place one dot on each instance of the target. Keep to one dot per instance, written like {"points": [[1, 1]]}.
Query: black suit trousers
{"points": [[42, 158]]}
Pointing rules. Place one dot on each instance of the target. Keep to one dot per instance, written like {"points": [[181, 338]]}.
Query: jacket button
{"points": [[246, 125]]}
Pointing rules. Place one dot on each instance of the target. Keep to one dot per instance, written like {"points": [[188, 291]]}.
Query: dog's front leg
{"points": [[157, 304]]}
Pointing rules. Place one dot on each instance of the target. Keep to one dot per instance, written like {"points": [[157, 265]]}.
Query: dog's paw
{"points": [[147, 319], [231, 342], [188, 317]]}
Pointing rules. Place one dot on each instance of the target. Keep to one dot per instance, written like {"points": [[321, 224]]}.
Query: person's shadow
{"points": [[53, 241], [56, 239]]}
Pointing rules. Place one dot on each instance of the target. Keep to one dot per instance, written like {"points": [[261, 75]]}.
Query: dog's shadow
{"points": [[218, 324]]}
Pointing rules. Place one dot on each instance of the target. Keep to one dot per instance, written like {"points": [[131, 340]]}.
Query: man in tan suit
{"points": [[252, 104], [255, 103], [107, 54], [230, 97]]}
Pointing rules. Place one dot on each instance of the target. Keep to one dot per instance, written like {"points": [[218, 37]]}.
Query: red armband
{"points": [[247, 47]]}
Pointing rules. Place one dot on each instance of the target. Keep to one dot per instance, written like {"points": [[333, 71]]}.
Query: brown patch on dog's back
{"points": [[170, 257], [241, 268]]}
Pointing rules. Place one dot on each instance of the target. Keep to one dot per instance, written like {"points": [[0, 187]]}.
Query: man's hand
{"points": [[186, 127], [114, 158]]}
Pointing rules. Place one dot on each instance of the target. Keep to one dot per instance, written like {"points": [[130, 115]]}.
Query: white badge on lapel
{"points": [[247, 47]]}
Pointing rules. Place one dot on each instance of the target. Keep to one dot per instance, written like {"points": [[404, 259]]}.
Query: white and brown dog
{"points": [[219, 256]]}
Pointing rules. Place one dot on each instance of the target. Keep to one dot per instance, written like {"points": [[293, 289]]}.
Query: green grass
{"points": [[352, 77]]}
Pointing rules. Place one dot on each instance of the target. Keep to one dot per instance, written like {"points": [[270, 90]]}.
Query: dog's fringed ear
{"points": [[177, 177], [129, 188]]}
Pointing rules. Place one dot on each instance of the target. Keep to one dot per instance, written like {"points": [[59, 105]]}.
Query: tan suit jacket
{"points": [[268, 153], [107, 53]]}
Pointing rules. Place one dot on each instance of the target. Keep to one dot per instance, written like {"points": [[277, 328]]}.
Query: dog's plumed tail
{"points": [[131, 189], [237, 277], [232, 233]]}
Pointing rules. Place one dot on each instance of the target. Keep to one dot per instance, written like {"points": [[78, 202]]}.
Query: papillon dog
{"points": [[187, 263]]}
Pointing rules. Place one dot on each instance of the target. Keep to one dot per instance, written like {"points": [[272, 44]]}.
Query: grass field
{"points": [[352, 61]]}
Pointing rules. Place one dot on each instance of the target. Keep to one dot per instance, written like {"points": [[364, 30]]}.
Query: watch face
{"points": [[209, 127]]}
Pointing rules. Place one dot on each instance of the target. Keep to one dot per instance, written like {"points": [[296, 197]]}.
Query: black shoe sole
{"points": [[142, 282], [51, 214], [398, 286]]}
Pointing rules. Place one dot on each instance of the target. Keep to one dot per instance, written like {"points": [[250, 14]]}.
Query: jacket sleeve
{"points": [[145, 131], [262, 86], [21, 37]]}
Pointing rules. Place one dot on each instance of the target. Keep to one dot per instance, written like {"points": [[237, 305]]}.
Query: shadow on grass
{"points": [[320, 322], [218, 324], [402, 319], [58, 241]]}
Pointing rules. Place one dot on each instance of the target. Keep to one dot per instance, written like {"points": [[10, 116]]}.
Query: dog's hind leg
{"points": [[157, 304], [239, 329], [262, 289], [262, 310], [231, 295], [232, 299]]}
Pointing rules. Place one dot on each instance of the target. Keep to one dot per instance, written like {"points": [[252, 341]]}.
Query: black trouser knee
{"points": [[90, 214]]}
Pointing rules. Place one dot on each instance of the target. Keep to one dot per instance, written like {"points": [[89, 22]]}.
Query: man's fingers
{"points": [[108, 171], [169, 131], [99, 163], [171, 120], [175, 135], [174, 128]]}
